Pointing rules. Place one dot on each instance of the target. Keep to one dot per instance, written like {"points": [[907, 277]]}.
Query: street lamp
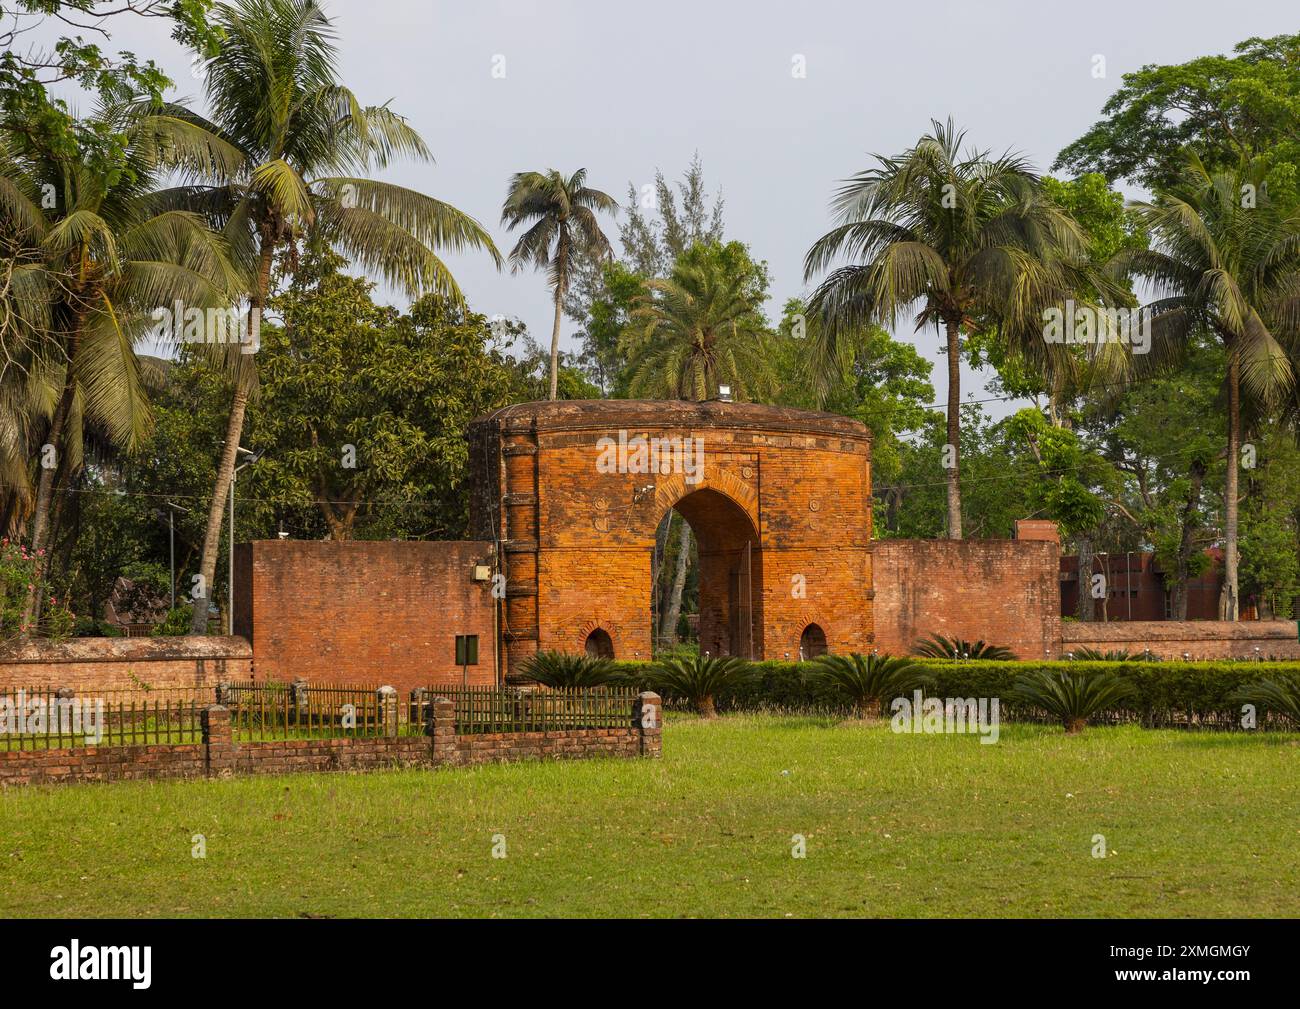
{"points": [[230, 603], [171, 544]]}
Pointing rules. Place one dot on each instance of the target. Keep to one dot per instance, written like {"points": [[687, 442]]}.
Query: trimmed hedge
{"points": [[1166, 693]]}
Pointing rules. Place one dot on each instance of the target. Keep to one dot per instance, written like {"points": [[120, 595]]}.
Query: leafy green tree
{"points": [[363, 409], [971, 239], [563, 229], [301, 147], [1224, 108], [1226, 262]]}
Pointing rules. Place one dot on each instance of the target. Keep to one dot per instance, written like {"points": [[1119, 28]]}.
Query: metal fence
{"points": [[39, 718], [490, 709]]}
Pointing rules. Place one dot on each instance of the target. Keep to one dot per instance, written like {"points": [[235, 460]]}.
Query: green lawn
{"points": [[1196, 824]]}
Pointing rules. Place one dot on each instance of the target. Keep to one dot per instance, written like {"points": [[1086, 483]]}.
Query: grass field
{"points": [[1196, 824]]}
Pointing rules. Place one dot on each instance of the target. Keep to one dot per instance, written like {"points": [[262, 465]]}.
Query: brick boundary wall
{"points": [[1004, 592], [90, 664], [218, 755], [1200, 639]]}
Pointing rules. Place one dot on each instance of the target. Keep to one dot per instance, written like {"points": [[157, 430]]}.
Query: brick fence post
{"points": [[387, 697], [219, 746], [441, 730], [647, 719]]}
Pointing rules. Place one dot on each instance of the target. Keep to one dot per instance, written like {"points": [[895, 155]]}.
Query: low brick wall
{"points": [[1199, 639], [218, 755], [88, 665]]}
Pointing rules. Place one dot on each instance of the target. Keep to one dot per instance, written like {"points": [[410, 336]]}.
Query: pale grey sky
{"points": [[622, 89]]}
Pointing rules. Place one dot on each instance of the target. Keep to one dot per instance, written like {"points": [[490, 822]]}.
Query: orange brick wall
{"points": [[364, 612], [577, 542], [1004, 592], [89, 664], [1199, 639]]}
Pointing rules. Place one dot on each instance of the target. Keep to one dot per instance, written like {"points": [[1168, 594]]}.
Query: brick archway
{"points": [[570, 501]]}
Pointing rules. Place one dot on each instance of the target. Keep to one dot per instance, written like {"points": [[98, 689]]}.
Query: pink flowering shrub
{"points": [[18, 575]]}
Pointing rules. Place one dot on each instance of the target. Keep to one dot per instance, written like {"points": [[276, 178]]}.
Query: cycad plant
{"points": [[869, 681], [970, 239], [1281, 696], [297, 154], [936, 646], [1069, 696], [564, 232], [700, 679], [567, 670], [1225, 262]]}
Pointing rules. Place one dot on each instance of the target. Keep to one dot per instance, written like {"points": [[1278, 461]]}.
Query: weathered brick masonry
{"points": [[782, 516], [364, 611], [90, 664], [1001, 591], [1199, 639], [218, 755]]}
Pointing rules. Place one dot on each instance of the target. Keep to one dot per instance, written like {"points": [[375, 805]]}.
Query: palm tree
{"points": [[1225, 261], [699, 679], [972, 239], [94, 257], [564, 232], [1072, 697], [303, 147], [869, 681], [700, 328]]}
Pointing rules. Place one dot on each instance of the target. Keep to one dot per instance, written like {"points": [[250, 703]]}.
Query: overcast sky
{"points": [[624, 88]]}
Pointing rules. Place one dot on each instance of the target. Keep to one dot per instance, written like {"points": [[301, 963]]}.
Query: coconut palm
{"points": [[869, 681], [303, 147], [971, 239], [564, 232], [1071, 697], [700, 328], [1226, 262], [94, 258]]}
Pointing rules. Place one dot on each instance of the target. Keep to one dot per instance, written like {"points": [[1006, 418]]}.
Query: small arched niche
{"points": [[812, 642], [599, 644]]}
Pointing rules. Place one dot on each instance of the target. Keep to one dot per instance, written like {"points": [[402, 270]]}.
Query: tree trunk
{"points": [[555, 344], [706, 707], [668, 625], [216, 511], [229, 451], [1086, 610], [45, 487], [1228, 602], [954, 430], [1182, 566]]}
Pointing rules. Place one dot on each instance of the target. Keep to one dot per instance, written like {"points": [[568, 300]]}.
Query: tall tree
{"points": [[702, 327], [970, 238], [1225, 261], [563, 229], [94, 258], [305, 147]]}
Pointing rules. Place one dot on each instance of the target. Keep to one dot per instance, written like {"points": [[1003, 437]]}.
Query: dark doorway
{"points": [[812, 642], [599, 644]]}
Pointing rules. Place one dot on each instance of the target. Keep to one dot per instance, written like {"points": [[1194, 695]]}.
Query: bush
{"points": [[18, 579], [1086, 654], [561, 669], [1166, 693], [175, 624], [869, 681], [1071, 696]]}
